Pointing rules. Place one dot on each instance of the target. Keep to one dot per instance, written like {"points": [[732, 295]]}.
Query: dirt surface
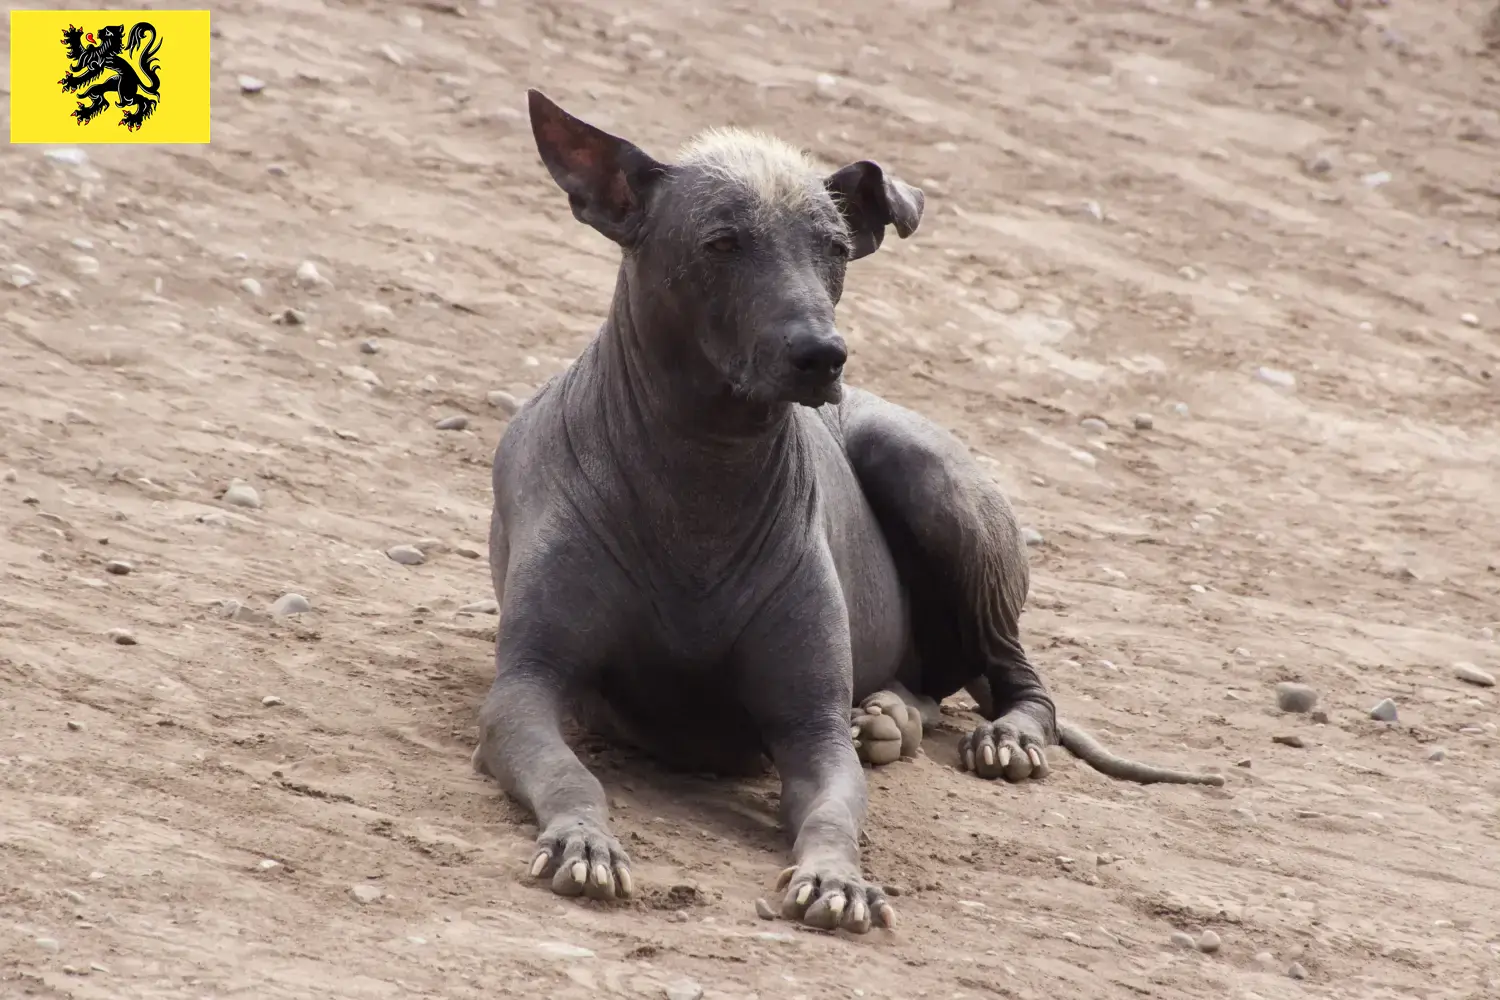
{"points": [[1132, 209]]}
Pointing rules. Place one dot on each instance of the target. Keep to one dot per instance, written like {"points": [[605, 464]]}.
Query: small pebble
{"points": [[241, 495], [359, 373], [1469, 319], [1031, 536], [1265, 960], [1319, 716], [365, 893], [406, 555], [308, 274], [369, 346], [488, 607], [763, 910], [48, 944], [251, 85], [267, 865], [72, 157], [503, 401], [1436, 753], [1144, 421], [118, 567], [121, 636], [291, 604], [291, 317], [271, 701], [1183, 940], [1385, 711], [684, 990], [1293, 697], [454, 423], [1471, 674], [1290, 740], [1208, 942], [1094, 425], [1276, 377], [9, 476], [1073, 937], [75, 725], [76, 898], [251, 286], [1296, 971]]}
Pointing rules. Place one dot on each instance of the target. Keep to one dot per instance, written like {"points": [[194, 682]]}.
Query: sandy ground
{"points": [[1133, 208]]}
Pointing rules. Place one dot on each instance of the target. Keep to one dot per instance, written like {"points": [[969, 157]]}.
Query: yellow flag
{"points": [[85, 76]]}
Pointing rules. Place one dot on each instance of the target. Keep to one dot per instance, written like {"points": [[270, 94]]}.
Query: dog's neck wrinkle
{"points": [[711, 473]]}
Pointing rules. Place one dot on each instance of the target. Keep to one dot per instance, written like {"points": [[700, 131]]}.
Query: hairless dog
{"points": [[705, 545]]}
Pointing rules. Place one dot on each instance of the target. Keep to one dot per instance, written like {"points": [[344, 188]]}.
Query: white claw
{"points": [[580, 872], [837, 904], [540, 864], [804, 894], [988, 753], [622, 875], [601, 874], [1004, 757]]}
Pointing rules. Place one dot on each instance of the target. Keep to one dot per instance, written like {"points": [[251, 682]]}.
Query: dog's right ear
{"points": [[605, 177]]}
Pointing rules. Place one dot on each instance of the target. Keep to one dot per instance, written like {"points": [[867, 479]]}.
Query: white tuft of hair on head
{"points": [[778, 174]]}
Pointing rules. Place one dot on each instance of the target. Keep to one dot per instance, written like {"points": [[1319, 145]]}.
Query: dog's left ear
{"points": [[871, 199]]}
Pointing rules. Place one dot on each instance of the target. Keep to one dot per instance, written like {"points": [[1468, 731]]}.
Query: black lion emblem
{"points": [[137, 93]]}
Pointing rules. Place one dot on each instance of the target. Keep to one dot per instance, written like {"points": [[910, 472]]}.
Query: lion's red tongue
{"points": [[89, 36]]}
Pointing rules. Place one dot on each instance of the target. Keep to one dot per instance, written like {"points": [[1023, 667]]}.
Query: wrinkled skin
{"points": [[705, 545]]}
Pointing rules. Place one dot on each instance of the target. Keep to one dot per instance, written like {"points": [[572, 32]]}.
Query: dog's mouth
{"points": [[815, 394]]}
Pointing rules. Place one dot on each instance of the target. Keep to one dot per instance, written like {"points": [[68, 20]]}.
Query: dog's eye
{"points": [[838, 247], [724, 244]]}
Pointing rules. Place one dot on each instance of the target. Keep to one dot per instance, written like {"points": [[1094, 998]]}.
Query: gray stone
{"points": [[1208, 942], [557, 949], [291, 604], [364, 892], [121, 636], [369, 346], [48, 944], [1182, 939], [71, 156], [308, 274], [453, 423], [241, 495], [118, 567], [1290, 740], [503, 401], [271, 701], [486, 607], [685, 989], [1471, 674], [1276, 377], [1031, 536], [251, 84], [1385, 711], [1144, 421], [407, 555], [75, 725], [359, 373], [1094, 425], [251, 286], [1296, 971], [1294, 697], [1436, 753]]}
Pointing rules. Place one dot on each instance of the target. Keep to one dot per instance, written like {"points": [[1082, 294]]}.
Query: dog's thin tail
{"points": [[1093, 753]]}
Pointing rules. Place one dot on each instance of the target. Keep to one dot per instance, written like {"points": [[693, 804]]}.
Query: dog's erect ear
{"points": [[605, 178], [872, 199]]}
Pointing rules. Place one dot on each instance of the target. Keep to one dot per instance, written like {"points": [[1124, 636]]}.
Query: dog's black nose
{"points": [[818, 356]]}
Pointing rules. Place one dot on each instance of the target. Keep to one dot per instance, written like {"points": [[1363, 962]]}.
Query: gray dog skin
{"points": [[705, 546]]}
